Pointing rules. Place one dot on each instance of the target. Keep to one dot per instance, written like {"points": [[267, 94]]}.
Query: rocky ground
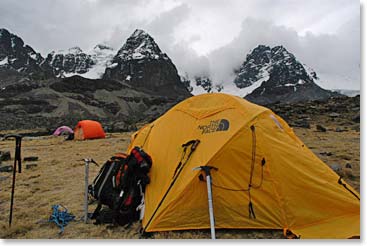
{"points": [[330, 129], [338, 114]]}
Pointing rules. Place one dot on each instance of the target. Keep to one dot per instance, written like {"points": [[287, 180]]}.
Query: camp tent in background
{"points": [[63, 130], [88, 129], [266, 178]]}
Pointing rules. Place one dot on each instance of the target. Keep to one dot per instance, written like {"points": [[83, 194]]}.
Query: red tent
{"points": [[88, 129]]}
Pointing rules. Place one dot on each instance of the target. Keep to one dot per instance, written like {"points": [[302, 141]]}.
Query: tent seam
{"points": [[277, 194]]}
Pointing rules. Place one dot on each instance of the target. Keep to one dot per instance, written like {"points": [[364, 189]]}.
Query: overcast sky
{"points": [[208, 37]]}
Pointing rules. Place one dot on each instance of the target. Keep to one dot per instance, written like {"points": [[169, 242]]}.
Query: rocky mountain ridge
{"points": [[139, 62], [117, 102], [72, 61], [283, 77], [18, 61]]}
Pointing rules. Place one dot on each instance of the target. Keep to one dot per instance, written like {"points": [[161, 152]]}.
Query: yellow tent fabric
{"points": [[290, 188]]}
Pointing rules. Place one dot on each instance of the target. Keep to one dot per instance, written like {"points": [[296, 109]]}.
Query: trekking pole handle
{"points": [[18, 144], [16, 136], [206, 169], [90, 161]]}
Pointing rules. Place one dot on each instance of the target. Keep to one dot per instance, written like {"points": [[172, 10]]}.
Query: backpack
{"points": [[120, 185]]}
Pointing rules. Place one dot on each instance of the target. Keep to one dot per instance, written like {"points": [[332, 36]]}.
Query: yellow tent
{"points": [[266, 178]]}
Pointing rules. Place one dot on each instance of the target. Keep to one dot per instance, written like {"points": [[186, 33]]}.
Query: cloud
{"points": [[201, 36], [165, 28], [61, 24], [336, 57]]}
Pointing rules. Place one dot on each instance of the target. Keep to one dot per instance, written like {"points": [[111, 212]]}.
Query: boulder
{"points": [[30, 158], [356, 128], [336, 167], [303, 123], [339, 129], [346, 173], [6, 169], [326, 153], [334, 115], [30, 166], [320, 128], [348, 165], [5, 156], [356, 118]]}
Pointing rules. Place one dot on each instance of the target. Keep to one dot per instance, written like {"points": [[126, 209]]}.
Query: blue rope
{"points": [[60, 217]]}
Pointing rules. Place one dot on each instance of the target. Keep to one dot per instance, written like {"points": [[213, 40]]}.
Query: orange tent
{"points": [[88, 129]]}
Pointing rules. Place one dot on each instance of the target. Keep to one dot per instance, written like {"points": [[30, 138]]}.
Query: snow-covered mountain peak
{"points": [[274, 74], [264, 60], [74, 61], [69, 62], [141, 64], [139, 32], [102, 56], [140, 45]]}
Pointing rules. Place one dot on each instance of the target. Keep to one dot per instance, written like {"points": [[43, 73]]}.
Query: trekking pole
{"points": [[207, 169], [86, 181], [17, 159]]}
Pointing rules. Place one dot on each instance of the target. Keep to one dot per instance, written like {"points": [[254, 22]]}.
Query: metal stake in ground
{"points": [[17, 159], [207, 169], [87, 161]]}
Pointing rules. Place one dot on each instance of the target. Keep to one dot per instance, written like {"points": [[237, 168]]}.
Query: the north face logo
{"points": [[215, 126]]}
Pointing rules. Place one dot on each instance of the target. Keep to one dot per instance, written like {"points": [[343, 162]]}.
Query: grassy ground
{"points": [[59, 179]]}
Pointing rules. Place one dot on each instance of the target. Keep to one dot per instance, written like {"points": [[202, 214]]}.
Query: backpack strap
{"points": [[141, 206], [96, 211]]}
